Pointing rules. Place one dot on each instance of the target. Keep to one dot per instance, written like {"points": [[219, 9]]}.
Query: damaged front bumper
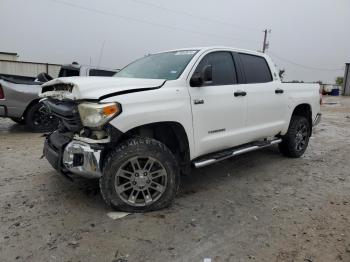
{"points": [[73, 156], [82, 159]]}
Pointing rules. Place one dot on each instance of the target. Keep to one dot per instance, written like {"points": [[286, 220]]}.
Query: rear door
{"points": [[266, 101], [218, 115]]}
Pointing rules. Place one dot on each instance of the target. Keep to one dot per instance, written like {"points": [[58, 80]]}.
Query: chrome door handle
{"points": [[240, 93], [279, 91], [198, 101]]}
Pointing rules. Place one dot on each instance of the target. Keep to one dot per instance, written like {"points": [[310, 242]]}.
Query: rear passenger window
{"points": [[99, 72], [67, 72], [224, 72], [255, 68]]}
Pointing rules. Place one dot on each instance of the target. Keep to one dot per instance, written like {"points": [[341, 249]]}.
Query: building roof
{"points": [[8, 53]]}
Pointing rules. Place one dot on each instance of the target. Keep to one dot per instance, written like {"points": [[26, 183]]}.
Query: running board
{"points": [[233, 152]]}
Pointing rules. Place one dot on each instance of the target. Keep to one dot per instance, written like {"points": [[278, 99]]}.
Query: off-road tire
{"points": [[136, 147], [288, 146], [30, 118]]}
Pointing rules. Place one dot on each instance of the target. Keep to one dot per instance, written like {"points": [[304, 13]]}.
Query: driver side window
{"points": [[223, 68]]}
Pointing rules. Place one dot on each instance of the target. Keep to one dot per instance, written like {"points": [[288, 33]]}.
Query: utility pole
{"points": [[346, 81], [265, 44]]}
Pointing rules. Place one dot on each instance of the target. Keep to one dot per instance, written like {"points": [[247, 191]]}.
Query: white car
{"points": [[169, 111]]}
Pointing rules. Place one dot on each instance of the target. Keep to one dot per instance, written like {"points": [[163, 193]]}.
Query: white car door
{"points": [[218, 106], [266, 101]]}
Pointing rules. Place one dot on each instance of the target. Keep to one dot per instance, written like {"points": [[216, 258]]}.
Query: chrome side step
{"points": [[234, 152]]}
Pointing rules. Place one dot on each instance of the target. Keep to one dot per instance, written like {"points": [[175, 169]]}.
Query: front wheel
{"points": [[139, 175], [295, 142]]}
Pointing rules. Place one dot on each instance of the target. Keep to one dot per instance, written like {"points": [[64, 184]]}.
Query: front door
{"points": [[218, 106]]}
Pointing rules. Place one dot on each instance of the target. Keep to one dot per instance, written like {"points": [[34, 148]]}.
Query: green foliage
{"points": [[339, 80]]}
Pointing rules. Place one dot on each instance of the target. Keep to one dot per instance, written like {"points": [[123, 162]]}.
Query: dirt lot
{"points": [[256, 207]]}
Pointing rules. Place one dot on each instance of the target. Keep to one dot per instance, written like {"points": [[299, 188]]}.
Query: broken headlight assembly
{"points": [[96, 115]]}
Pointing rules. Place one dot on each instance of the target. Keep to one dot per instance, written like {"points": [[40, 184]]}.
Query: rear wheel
{"points": [[39, 119], [140, 175], [295, 142]]}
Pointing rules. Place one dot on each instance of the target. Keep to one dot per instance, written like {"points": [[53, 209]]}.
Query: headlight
{"points": [[96, 115]]}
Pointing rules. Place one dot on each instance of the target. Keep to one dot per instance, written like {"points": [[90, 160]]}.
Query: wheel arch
{"points": [[170, 133], [303, 109], [32, 103]]}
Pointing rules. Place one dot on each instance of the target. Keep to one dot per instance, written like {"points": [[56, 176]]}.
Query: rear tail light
{"points": [[2, 95]]}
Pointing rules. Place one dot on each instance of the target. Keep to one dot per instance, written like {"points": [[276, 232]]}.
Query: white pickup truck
{"points": [[170, 111]]}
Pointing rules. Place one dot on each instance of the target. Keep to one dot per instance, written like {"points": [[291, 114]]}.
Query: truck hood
{"points": [[96, 88]]}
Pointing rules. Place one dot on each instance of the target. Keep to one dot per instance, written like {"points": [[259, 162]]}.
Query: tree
{"points": [[339, 80]]}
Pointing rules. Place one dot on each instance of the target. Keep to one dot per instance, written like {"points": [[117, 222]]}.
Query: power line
{"points": [[124, 17], [305, 66], [203, 18]]}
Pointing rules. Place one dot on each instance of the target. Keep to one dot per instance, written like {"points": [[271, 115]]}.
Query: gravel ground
{"points": [[255, 207]]}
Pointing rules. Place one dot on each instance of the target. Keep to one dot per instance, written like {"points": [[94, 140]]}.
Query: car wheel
{"points": [[295, 142], [140, 175], [39, 119]]}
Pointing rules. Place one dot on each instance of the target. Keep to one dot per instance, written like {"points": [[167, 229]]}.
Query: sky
{"points": [[309, 39]]}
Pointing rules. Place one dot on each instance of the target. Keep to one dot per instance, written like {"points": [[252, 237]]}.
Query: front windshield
{"points": [[169, 65]]}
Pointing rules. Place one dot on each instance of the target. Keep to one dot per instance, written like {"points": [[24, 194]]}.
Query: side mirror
{"points": [[196, 80], [208, 74], [203, 77], [43, 77]]}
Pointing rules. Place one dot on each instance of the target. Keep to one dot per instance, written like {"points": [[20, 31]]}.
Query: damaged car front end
{"points": [[77, 146]]}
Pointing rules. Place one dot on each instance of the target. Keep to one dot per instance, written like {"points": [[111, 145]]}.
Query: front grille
{"points": [[72, 123], [66, 111]]}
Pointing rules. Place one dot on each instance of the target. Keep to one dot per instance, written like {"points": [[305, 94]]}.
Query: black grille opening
{"points": [[66, 111]]}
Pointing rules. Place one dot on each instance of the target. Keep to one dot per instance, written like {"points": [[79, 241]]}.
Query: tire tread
{"points": [[286, 147], [122, 150]]}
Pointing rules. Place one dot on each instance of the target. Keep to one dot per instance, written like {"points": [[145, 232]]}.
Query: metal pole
{"points": [[265, 38], [346, 81], [101, 52]]}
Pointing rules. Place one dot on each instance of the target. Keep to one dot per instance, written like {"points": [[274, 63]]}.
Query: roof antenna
{"points": [[101, 52]]}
